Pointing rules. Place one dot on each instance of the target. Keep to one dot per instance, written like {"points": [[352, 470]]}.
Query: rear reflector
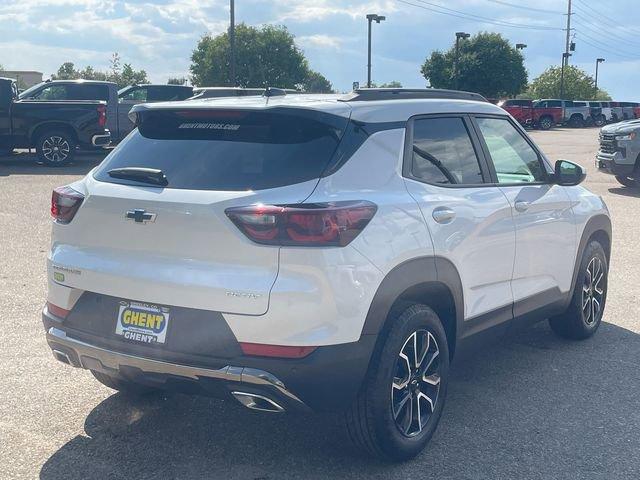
{"points": [[280, 351], [57, 311], [65, 202], [305, 225]]}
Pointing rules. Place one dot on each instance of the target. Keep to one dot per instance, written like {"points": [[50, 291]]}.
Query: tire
{"points": [[584, 315], [55, 148], [627, 181], [589, 122], [545, 123], [576, 122], [600, 120], [385, 425], [125, 386]]}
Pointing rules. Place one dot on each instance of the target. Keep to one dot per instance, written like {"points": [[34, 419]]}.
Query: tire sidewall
{"points": [[545, 123], [57, 133], [392, 442], [593, 250]]}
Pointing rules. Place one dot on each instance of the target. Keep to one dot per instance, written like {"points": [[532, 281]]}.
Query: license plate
{"points": [[142, 322]]}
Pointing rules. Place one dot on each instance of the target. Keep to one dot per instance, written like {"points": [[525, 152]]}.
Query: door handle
{"points": [[521, 205], [443, 215]]}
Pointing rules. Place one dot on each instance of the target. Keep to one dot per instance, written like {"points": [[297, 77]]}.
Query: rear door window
{"points": [[88, 92], [231, 150], [442, 152], [52, 92]]}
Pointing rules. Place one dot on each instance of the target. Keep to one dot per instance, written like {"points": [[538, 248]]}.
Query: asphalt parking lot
{"points": [[528, 407]]}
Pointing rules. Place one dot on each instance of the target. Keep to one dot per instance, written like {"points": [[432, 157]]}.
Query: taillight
{"points": [[102, 116], [279, 351], [57, 311], [305, 225], [65, 202]]}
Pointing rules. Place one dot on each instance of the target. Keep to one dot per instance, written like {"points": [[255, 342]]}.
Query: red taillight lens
{"points": [[57, 311], [102, 116], [280, 351], [65, 202], [305, 225]]}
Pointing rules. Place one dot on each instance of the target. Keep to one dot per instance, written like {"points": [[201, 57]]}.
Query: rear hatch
{"points": [[173, 244]]}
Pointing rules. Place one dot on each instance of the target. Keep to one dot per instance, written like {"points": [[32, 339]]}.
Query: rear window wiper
{"points": [[140, 174]]}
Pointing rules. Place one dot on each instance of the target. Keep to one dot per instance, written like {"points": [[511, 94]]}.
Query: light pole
{"points": [[459, 36], [372, 17], [565, 61], [598, 62], [232, 41], [521, 46]]}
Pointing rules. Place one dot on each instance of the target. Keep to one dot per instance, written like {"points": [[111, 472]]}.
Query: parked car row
{"points": [[546, 113], [58, 116]]}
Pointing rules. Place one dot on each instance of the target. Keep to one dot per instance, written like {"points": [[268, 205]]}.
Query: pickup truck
{"points": [[528, 114], [572, 115], [595, 113], [54, 127], [619, 152], [605, 111], [119, 102], [628, 110]]}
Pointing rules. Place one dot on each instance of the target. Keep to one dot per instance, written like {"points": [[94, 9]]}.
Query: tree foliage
{"points": [[577, 85], [122, 75], [391, 84], [266, 56], [487, 64]]}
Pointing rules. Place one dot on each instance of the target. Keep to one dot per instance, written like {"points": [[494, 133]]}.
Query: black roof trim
{"points": [[372, 94]]}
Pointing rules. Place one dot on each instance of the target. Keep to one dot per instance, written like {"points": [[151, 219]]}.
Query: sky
{"points": [[159, 36]]}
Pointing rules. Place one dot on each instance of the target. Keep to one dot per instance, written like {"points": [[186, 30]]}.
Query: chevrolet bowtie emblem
{"points": [[140, 216]]}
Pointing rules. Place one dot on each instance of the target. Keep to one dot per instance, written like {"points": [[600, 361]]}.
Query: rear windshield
{"points": [[229, 149]]}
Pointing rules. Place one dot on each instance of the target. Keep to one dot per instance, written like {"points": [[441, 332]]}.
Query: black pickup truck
{"points": [[55, 128]]}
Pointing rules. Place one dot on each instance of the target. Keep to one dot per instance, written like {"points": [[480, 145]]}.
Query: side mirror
{"points": [[568, 173]]}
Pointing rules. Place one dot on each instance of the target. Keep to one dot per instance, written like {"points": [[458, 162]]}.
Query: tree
{"points": [[177, 81], [577, 85], [316, 83], [391, 84], [487, 64], [266, 56], [122, 76]]}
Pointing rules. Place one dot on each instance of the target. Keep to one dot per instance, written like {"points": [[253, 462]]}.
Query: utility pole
{"points": [[565, 55], [598, 62], [372, 17], [232, 42]]}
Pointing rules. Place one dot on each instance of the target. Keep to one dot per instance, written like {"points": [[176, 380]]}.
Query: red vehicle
{"points": [[530, 115], [636, 111]]}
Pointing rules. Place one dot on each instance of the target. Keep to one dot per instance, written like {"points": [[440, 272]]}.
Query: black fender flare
{"points": [[428, 270], [597, 223]]}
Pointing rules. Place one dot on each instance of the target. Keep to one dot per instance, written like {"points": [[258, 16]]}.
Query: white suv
{"points": [[320, 253]]}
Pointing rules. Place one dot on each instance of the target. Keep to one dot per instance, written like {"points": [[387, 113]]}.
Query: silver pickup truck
{"points": [[619, 152]]}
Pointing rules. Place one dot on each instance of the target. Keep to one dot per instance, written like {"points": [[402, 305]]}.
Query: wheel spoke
{"points": [[418, 412], [401, 405], [428, 400]]}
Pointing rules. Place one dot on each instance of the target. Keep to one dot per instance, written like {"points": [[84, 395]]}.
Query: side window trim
{"points": [[407, 157], [489, 160]]}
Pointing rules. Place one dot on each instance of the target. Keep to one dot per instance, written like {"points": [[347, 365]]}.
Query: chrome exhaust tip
{"points": [[257, 402], [61, 356]]}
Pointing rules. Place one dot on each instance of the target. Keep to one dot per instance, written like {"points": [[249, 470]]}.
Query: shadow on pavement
{"points": [[25, 163], [625, 191], [530, 406]]}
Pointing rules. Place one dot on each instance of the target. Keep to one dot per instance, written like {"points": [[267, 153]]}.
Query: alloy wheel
{"points": [[55, 149], [416, 383], [593, 290]]}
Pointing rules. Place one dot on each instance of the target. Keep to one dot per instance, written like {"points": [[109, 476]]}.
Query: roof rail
{"points": [[372, 94]]}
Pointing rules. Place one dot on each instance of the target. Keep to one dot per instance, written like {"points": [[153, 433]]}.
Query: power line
{"points": [[602, 17], [605, 36], [468, 16], [608, 51], [531, 9], [606, 32]]}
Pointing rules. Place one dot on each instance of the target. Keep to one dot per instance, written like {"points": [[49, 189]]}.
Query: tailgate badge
{"points": [[140, 216]]}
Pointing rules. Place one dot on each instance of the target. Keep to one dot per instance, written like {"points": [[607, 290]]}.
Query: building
{"points": [[24, 78]]}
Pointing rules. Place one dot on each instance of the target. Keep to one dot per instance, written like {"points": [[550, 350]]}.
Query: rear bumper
{"points": [[326, 380]]}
